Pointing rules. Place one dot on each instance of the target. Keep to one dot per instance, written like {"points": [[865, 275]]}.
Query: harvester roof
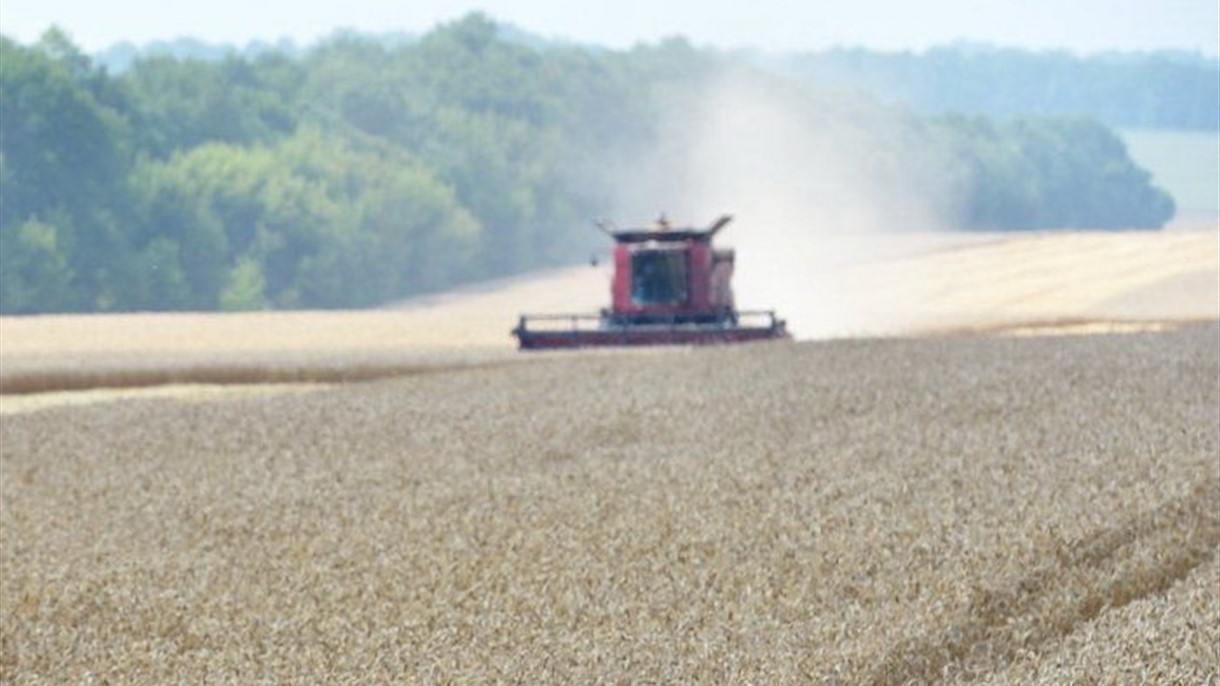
{"points": [[662, 231]]}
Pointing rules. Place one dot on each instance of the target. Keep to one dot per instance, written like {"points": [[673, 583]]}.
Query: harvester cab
{"points": [[670, 286]]}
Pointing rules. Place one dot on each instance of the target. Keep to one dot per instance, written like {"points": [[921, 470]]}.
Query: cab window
{"points": [[659, 277]]}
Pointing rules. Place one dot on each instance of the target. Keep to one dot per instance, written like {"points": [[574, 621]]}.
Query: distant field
{"points": [[1185, 163], [893, 285]]}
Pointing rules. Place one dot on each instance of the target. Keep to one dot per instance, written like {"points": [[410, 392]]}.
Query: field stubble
{"points": [[962, 510]]}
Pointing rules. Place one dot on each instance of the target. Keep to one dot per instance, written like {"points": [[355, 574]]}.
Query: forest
{"points": [[1158, 90], [358, 172]]}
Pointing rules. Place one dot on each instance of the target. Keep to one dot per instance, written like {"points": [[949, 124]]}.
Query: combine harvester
{"points": [[670, 287]]}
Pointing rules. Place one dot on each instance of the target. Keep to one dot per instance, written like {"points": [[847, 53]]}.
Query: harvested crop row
{"points": [[55, 373], [962, 509]]}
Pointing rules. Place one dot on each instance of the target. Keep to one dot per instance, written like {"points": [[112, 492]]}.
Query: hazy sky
{"points": [[1079, 25]]}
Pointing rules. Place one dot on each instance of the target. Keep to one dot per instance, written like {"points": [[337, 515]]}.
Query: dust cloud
{"points": [[818, 185]]}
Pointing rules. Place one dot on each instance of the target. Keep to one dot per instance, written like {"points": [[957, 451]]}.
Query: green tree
{"points": [[65, 159], [186, 103], [244, 289], [180, 244], [367, 170], [1048, 173], [34, 271]]}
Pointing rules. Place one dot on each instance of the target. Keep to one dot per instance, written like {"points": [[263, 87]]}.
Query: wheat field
{"points": [[962, 510], [397, 496]]}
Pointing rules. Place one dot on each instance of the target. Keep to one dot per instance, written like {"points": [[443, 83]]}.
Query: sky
{"points": [[1082, 26]]}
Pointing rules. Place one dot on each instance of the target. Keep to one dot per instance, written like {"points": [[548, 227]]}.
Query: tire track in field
{"points": [[1110, 568]]}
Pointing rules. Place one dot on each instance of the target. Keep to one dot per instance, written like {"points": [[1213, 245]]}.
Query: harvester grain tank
{"points": [[670, 287]]}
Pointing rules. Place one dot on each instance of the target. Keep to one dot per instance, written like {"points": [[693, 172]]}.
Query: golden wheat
{"points": [[964, 510]]}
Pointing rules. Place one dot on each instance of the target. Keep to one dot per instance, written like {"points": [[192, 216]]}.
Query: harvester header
{"points": [[670, 287]]}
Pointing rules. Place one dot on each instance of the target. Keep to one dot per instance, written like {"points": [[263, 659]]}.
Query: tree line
{"points": [[358, 172], [1153, 90]]}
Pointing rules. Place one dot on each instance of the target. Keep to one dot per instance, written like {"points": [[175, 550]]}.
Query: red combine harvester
{"points": [[670, 287]]}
